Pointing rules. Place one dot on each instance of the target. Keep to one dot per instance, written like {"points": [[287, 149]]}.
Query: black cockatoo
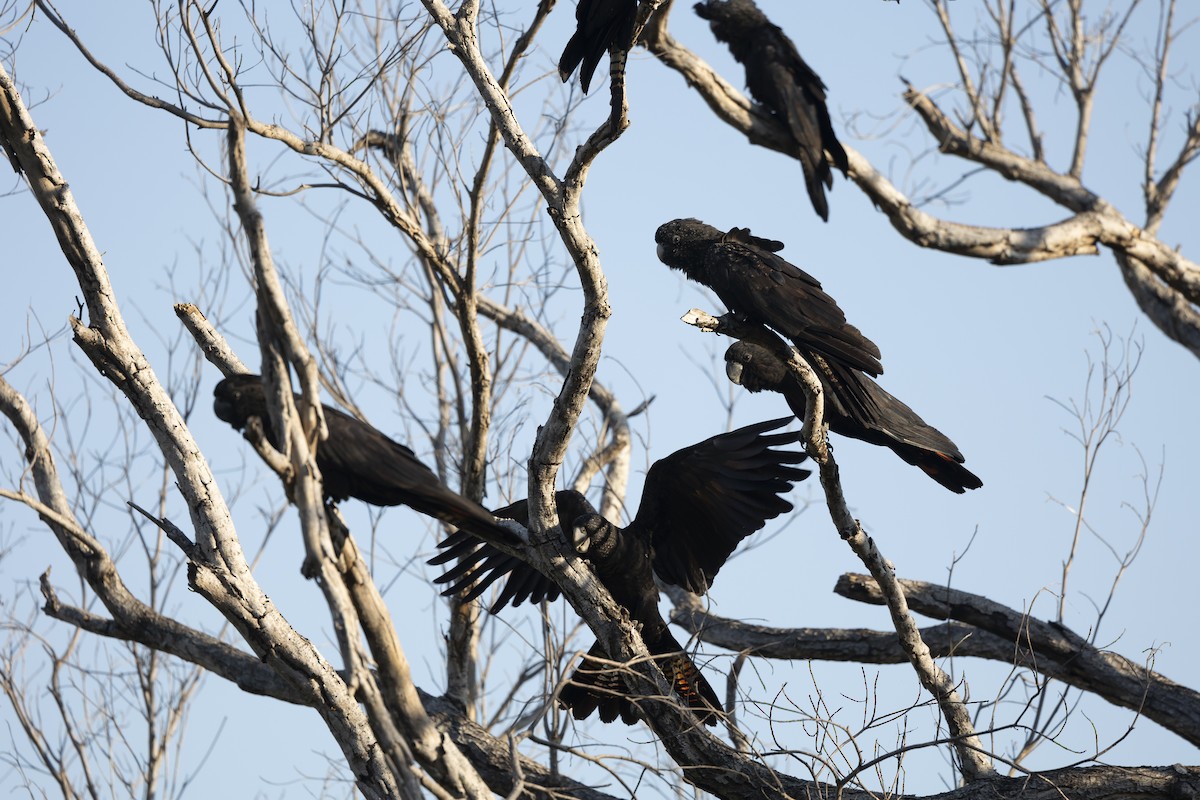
{"points": [[697, 505], [358, 461], [752, 280], [778, 78], [601, 26], [893, 425]]}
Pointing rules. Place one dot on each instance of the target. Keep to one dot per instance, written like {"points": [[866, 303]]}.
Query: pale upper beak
{"points": [[580, 539], [733, 370]]}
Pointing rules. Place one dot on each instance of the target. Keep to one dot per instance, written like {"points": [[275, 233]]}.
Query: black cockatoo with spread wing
{"points": [[697, 504]]}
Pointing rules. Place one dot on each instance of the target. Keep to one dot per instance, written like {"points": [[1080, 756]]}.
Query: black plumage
{"points": [[478, 565], [752, 280], [358, 461], [778, 78], [697, 505], [890, 423], [600, 26]]}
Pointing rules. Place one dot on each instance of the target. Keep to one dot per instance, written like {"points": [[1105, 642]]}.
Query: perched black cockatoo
{"points": [[600, 26], [358, 461], [697, 505], [752, 280], [778, 78], [891, 424]]}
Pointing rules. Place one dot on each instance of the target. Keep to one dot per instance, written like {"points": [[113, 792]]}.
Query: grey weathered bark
{"points": [[981, 628]]}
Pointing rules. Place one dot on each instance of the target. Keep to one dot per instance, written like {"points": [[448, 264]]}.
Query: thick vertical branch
{"points": [[562, 199]]}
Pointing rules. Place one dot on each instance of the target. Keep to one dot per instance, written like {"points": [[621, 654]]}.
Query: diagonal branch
{"points": [[973, 760], [1051, 649]]}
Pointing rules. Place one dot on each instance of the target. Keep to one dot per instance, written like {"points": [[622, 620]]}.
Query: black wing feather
{"points": [[771, 290], [700, 502], [358, 461], [596, 685], [484, 563], [858, 407], [599, 25], [785, 85]]}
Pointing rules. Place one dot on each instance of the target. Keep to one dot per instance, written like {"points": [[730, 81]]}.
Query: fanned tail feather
{"points": [[597, 685]]}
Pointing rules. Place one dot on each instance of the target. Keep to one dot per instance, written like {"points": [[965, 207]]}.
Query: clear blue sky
{"points": [[977, 350]]}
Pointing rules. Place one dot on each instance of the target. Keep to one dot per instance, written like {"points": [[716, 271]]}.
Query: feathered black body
{"points": [[893, 424], [358, 461], [697, 505], [785, 85], [600, 26], [752, 280]]}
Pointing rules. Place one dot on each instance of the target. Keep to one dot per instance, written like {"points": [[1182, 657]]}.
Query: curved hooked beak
{"points": [[733, 370], [580, 538]]}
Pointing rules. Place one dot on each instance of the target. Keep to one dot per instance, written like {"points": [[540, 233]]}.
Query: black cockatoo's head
{"points": [[593, 536], [729, 19], [754, 367], [682, 243], [239, 397]]}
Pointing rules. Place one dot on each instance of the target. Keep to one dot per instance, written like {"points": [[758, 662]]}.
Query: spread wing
{"points": [[482, 564], [773, 291], [700, 502]]}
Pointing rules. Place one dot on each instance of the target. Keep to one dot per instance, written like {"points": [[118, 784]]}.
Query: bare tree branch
{"points": [[221, 573], [1111, 676]]}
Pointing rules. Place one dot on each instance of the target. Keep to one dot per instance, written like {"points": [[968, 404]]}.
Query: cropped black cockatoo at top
{"points": [[752, 280], [890, 424], [358, 461], [778, 78], [697, 505], [600, 26]]}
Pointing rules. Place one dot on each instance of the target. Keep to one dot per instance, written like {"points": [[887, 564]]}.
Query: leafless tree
{"points": [[438, 120]]}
